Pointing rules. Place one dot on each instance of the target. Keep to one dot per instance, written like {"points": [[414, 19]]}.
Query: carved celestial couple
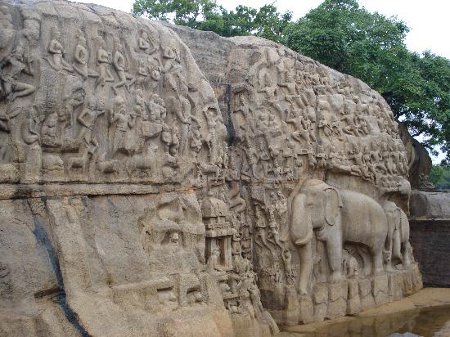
{"points": [[339, 217]]}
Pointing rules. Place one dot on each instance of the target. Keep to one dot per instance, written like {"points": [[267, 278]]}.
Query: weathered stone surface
{"points": [[419, 161], [430, 235], [430, 205], [160, 181]]}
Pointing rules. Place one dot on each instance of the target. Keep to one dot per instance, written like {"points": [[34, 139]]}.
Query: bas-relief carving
{"points": [[296, 124], [103, 98], [295, 212]]}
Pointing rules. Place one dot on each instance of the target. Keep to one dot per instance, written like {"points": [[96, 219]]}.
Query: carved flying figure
{"points": [[56, 52], [104, 63], [81, 58], [146, 44], [119, 63], [18, 62]]}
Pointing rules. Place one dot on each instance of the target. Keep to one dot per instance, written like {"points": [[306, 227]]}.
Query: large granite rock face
{"points": [[160, 181]]}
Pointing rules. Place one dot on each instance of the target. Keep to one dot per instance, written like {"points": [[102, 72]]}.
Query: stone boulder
{"points": [[161, 181]]}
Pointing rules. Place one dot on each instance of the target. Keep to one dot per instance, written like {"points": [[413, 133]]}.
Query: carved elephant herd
{"points": [[341, 217]]}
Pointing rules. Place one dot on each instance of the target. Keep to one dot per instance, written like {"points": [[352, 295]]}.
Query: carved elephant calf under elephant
{"points": [[339, 217]]}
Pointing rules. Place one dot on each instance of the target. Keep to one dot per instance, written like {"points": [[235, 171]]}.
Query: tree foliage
{"points": [[265, 22], [370, 46], [440, 176], [346, 37]]}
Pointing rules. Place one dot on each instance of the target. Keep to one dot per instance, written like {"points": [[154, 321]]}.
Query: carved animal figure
{"points": [[144, 163], [397, 241], [107, 166], [336, 217], [79, 162]]}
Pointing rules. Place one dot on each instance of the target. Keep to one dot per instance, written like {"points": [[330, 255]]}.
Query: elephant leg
{"points": [[378, 261], [396, 249], [366, 263], [306, 266], [406, 254], [334, 254]]}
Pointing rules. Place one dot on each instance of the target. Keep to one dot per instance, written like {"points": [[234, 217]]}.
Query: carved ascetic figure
{"points": [[397, 245], [123, 123], [335, 217]]}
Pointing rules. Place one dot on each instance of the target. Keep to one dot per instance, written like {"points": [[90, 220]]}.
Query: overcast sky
{"points": [[429, 20]]}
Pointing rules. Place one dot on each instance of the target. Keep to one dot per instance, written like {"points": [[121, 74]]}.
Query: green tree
{"points": [[440, 176], [265, 22], [370, 46], [346, 37]]}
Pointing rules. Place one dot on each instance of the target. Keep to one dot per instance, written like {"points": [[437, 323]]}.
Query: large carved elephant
{"points": [[397, 245], [336, 217]]}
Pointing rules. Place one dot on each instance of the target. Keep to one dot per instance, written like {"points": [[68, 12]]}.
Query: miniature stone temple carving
{"points": [[155, 182]]}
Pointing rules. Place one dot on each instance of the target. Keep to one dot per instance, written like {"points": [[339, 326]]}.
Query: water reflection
{"points": [[427, 322]]}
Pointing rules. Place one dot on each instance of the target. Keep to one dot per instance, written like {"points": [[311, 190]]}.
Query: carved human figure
{"points": [[122, 122], [196, 140], [181, 108], [31, 137], [11, 68], [56, 52], [335, 216], [211, 115], [156, 109], [302, 129], [261, 227], [49, 131], [104, 63], [146, 44], [213, 263], [87, 119], [81, 57], [119, 64]]}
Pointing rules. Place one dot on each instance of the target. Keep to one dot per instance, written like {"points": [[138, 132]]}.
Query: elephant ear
{"points": [[333, 205]]}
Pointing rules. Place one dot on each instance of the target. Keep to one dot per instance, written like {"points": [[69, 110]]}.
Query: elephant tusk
{"points": [[302, 242]]}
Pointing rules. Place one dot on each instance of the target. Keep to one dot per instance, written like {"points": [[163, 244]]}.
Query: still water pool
{"points": [[426, 322]]}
